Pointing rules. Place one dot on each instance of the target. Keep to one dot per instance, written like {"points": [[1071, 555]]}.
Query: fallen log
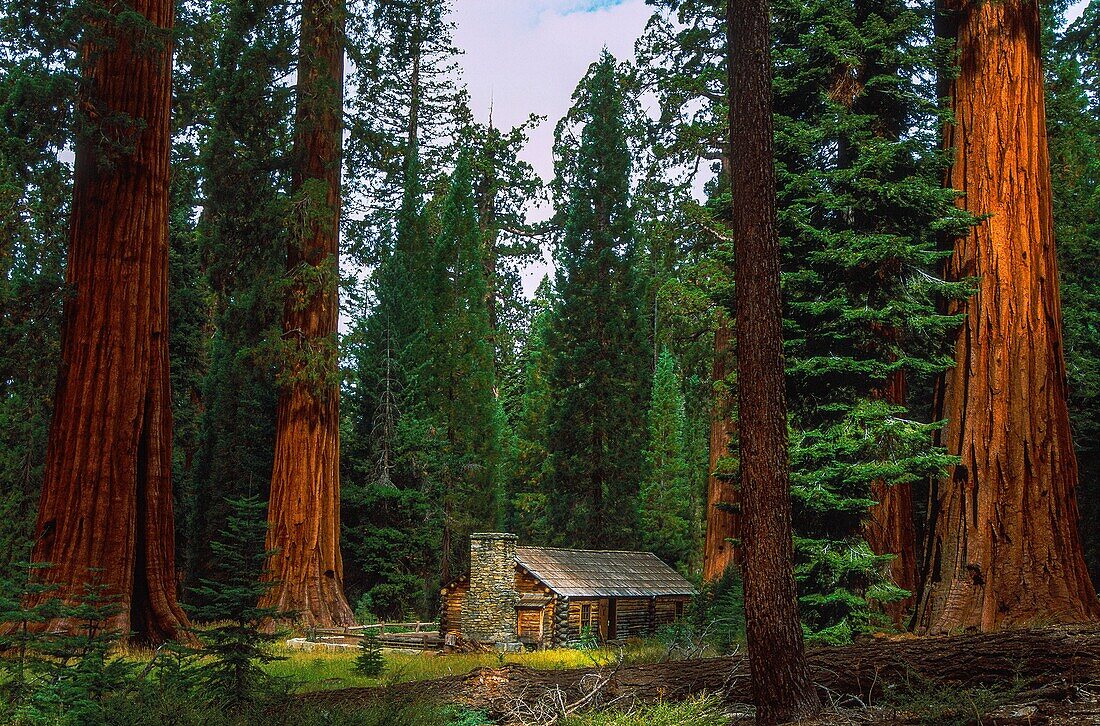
{"points": [[862, 671]]}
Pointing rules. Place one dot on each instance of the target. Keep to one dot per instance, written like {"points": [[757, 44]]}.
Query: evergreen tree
{"points": [[861, 205], [241, 238], [597, 339], [665, 500], [370, 661], [457, 408], [235, 645], [528, 477], [37, 96]]}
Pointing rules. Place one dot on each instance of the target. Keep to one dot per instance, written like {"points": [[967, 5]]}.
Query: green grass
{"points": [[698, 712], [324, 670], [940, 705]]}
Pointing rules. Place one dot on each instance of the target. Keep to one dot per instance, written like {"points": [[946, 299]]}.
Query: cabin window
{"points": [[679, 609], [589, 617]]}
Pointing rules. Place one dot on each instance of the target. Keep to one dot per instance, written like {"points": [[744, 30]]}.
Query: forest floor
{"points": [[1045, 676]]}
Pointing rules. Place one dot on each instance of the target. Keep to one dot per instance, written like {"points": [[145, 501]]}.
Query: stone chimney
{"points": [[489, 613]]}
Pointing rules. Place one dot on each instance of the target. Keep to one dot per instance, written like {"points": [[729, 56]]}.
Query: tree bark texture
{"points": [[1003, 548], [890, 528], [774, 633], [304, 511], [723, 525], [105, 513]]}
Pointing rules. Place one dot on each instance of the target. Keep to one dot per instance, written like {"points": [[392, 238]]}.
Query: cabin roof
{"points": [[602, 573]]}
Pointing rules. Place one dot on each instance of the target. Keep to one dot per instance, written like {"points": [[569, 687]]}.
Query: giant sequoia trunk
{"points": [[720, 549], [304, 512], [1003, 546], [777, 658], [105, 515]]}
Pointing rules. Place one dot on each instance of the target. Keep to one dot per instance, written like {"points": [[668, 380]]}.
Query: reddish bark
{"points": [[889, 528], [1003, 547], [723, 525], [304, 511], [105, 514], [781, 683]]}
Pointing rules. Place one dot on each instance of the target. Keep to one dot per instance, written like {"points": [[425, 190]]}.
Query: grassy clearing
{"points": [[323, 670]]}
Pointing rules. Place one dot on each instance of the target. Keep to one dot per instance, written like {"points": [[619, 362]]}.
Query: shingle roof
{"points": [[602, 573]]}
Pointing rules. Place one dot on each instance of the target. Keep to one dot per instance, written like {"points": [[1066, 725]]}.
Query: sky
{"points": [[527, 56]]}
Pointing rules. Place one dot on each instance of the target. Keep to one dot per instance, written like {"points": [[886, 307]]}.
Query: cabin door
{"points": [[612, 617]]}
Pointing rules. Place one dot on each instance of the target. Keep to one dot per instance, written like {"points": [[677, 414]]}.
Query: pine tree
{"points": [[781, 684], [235, 645], [405, 101], [665, 500], [405, 108], [597, 339], [860, 208], [37, 92], [370, 662], [528, 478], [456, 379]]}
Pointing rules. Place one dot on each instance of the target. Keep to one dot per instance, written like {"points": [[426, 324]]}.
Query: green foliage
{"points": [[37, 96], [237, 54], [526, 507], [370, 661], [701, 711], [665, 500], [861, 207], [235, 643], [596, 337], [719, 612], [936, 704], [58, 677]]}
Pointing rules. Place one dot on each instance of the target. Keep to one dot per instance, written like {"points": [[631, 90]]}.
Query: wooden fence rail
{"points": [[354, 630]]}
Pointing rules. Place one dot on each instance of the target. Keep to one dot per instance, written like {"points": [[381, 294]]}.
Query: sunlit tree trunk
{"points": [[105, 514], [782, 688], [723, 521], [1003, 545], [304, 511]]}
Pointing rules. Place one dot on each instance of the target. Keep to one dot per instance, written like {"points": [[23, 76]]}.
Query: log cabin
{"points": [[544, 597]]}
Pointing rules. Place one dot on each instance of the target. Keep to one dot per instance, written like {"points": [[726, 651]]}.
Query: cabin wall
{"points": [[666, 610], [634, 617], [450, 610]]}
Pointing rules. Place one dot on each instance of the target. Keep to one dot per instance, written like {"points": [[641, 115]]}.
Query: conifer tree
{"points": [[235, 645], [782, 689], [665, 500], [109, 450], [527, 482], [304, 508], [38, 90], [458, 409], [860, 209], [597, 336], [241, 238]]}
